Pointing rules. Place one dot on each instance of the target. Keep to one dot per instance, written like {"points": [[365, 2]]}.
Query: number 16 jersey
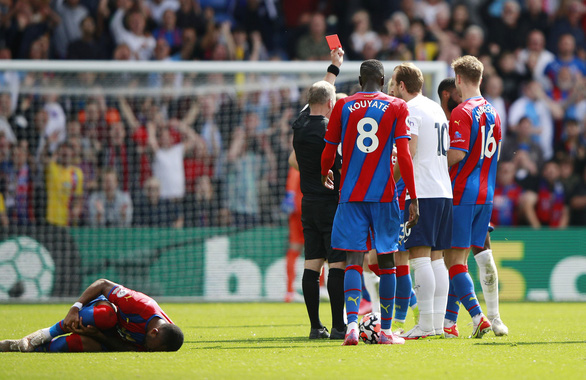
{"points": [[367, 124], [475, 128]]}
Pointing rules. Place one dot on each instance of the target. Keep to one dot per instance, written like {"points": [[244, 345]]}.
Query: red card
{"points": [[333, 41]]}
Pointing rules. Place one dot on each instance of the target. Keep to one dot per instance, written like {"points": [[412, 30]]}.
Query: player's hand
{"points": [[91, 331], [413, 213], [337, 56], [328, 180], [71, 320]]}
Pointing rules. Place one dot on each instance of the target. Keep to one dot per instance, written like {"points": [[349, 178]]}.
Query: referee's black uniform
{"points": [[318, 208]]}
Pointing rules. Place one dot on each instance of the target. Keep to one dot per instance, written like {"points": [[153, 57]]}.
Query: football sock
{"points": [[440, 298], [69, 343], [489, 281], [413, 299], [310, 285], [388, 284], [365, 294], [453, 306], [371, 281], [404, 289], [464, 288], [352, 291], [336, 292], [102, 316], [374, 268], [424, 282], [292, 255]]}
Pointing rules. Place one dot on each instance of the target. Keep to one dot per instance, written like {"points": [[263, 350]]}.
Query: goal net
{"points": [[167, 177]]}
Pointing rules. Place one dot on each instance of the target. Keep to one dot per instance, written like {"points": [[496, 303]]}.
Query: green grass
{"points": [[250, 340]]}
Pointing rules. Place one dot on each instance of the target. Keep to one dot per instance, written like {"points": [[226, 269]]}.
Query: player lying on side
{"points": [[107, 317]]}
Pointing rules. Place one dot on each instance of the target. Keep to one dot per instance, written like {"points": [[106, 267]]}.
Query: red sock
{"points": [[374, 268], [74, 343], [292, 256]]}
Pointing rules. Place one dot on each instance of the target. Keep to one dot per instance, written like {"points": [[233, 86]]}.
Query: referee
{"points": [[319, 204]]}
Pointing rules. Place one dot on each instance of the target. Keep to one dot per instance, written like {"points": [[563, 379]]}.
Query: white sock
{"points": [[371, 281], [424, 284], [440, 297], [476, 318], [387, 332], [46, 334], [489, 281], [352, 326]]}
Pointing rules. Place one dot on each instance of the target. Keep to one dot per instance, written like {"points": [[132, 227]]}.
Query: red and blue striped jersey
{"points": [[135, 310], [367, 124], [475, 128]]}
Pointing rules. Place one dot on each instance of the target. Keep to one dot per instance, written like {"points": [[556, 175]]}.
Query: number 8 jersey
{"points": [[475, 128], [367, 124]]}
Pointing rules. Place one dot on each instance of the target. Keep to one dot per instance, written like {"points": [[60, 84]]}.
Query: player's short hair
{"points": [[410, 75], [172, 337], [321, 92], [469, 68], [447, 84], [371, 70]]}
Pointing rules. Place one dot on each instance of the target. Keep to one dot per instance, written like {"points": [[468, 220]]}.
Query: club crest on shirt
{"points": [[120, 292]]}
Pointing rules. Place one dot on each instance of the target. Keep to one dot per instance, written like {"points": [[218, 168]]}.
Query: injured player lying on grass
{"points": [[107, 317]]}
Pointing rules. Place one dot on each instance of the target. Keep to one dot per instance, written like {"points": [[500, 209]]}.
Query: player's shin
{"points": [[464, 288], [440, 299], [310, 285], [388, 284], [352, 294], [336, 292], [425, 289], [489, 282], [403, 293]]}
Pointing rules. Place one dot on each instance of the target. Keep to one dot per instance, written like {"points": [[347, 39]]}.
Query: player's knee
{"points": [[105, 317]]}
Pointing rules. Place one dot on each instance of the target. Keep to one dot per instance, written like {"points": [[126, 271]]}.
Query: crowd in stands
{"points": [[221, 159]]}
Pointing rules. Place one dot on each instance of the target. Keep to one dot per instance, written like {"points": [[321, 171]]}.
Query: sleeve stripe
{"points": [[403, 137], [330, 142], [463, 150]]}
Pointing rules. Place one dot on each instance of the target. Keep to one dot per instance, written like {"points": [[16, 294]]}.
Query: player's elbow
{"points": [[455, 156]]}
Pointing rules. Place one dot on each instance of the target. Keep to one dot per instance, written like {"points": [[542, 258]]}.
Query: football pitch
{"points": [[269, 340]]}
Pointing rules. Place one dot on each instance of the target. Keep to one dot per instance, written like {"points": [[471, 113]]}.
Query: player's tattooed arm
{"points": [[99, 287]]}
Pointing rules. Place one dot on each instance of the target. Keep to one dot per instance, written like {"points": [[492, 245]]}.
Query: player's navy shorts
{"points": [[317, 218], [470, 225], [434, 228], [361, 226]]}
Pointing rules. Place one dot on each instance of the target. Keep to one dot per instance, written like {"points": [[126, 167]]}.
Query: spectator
{"points": [[169, 31], [7, 118], [505, 210], [140, 43], [64, 184], [152, 211], [460, 20], [313, 46], [249, 159], [506, 33], [363, 37], [573, 144], [565, 57], [158, 8], [428, 10], [189, 16], [86, 47], [72, 13], [534, 58], [399, 45], [577, 197], [568, 21], [425, 47], [534, 17], [541, 111], [473, 41], [525, 153], [493, 94], [545, 205], [19, 189], [4, 222], [110, 207], [168, 157], [55, 124]]}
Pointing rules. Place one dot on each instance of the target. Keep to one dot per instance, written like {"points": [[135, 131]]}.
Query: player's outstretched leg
{"points": [[9, 345], [465, 290], [99, 313], [71, 343], [440, 299], [490, 288], [353, 294]]}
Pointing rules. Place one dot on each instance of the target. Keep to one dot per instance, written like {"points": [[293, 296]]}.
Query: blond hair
{"points": [[469, 68]]}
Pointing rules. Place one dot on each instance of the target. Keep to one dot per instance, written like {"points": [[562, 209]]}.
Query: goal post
{"points": [[168, 177]]}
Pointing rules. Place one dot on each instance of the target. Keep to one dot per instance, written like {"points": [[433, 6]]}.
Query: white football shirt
{"points": [[430, 162]]}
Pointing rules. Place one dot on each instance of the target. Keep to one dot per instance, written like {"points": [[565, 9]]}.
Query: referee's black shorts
{"points": [[317, 218]]}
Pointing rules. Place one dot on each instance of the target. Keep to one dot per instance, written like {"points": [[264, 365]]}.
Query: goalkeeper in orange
{"points": [[292, 205]]}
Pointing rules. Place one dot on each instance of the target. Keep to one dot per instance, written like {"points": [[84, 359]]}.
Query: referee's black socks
{"points": [[336, 292], [310, 286]]}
